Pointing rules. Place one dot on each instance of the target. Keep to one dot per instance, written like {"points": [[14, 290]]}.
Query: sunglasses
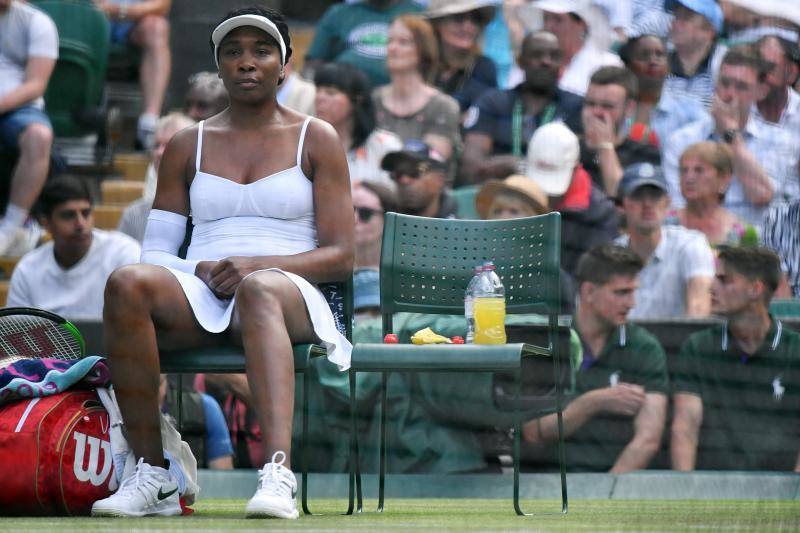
{"points": [[412, 171], [365, 213]]}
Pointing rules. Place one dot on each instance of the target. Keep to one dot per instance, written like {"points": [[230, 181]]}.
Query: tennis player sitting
{"points": [[269, 192]]}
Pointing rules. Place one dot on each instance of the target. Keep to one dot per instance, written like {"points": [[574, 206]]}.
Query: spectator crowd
{"points": [[665, 132]]}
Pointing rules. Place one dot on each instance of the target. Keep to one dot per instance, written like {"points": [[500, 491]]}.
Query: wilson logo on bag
{"points": [[56, 455]]}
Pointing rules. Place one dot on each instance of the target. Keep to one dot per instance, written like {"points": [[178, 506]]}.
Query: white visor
{"points": [[257, 21]]}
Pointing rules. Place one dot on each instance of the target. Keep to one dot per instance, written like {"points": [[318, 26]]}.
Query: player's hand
{"points": [[228, 273], [623, 399]]}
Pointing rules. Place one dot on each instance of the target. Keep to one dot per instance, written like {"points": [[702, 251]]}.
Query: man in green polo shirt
{"points": [[737, 385], [615, 421]]}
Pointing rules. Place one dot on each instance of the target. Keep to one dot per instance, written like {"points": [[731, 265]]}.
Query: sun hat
{"points": [[522, 186], [553, 153], [445, 8], [256, 21]]}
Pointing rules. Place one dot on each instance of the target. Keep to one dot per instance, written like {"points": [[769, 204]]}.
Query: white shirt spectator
{"points": [[575, 78], [75, 293], [782, 234], [649, 18], [785, 148], [773, 149], [681, 254], [25, 32]]}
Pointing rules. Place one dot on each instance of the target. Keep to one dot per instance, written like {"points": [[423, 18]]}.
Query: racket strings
{"points": [[26, 337]]}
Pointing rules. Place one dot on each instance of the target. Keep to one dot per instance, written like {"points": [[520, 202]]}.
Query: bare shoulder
{"points": [[320, 131]]}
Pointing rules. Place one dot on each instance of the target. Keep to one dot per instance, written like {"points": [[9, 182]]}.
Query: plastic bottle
{"points": [[469, 297], [489, 308]]}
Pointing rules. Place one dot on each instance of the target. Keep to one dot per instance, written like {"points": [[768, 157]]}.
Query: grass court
{"points": [[462, 515]]}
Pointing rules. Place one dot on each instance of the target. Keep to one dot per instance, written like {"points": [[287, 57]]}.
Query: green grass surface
{"points": [[460, 515]]}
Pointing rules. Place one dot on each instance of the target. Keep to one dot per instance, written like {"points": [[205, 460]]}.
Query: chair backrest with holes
{"points": [[426, 263]]}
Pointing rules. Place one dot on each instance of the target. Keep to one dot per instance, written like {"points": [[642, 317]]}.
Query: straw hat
{"points": [[522, 186], [445, 8]]}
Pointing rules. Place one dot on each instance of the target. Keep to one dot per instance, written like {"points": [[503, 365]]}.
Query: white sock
{"points": [[147, 122], [14, 218]]}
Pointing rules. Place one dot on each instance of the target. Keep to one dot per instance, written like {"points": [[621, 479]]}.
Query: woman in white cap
{"points": [[464, 73], [268, 189]]}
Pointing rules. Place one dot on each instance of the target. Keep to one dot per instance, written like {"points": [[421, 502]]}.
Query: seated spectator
{"points": [[782, 234], [649, 18], [500, 124], [205, 97], [202, 426], [463, 73], [706, 169], [736, 389], [68, 275], [615, 420], [28, 52], [657, 114], [420, 172], [343, 99], [370, 202], [409, 105], [588, 217], [583, 34], [296, 92], [514, 197], [606, 148], [679, 263], [144, 24], [757, 157], [356, 33], [779, 113], [517, 197], [696, 53], [134, 218]]}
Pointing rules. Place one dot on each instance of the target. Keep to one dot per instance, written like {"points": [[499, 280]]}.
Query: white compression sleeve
{"points": [[163, 238]]}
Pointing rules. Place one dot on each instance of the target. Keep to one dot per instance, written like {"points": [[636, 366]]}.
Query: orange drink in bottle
{"points": [[490, 316]]}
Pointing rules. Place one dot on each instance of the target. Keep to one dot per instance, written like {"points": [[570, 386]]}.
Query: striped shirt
{"points": [[782, 234], [700, 85]]}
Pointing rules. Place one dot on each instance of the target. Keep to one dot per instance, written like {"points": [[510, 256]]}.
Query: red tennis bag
{"points": [[55, 455]]}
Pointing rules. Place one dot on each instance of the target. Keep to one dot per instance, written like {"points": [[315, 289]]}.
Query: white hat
{"points": [[553, 154], [256, 21]]}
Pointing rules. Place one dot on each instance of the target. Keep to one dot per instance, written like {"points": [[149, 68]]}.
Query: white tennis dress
{"points": [[271, 216]]}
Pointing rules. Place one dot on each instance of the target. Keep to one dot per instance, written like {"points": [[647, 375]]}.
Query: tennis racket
{"points": [[28, 333]]}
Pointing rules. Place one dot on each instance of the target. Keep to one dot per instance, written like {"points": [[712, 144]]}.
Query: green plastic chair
{"points": [[785, 307], [75, 94], [231, 359], [465, 201], [426, 264]]}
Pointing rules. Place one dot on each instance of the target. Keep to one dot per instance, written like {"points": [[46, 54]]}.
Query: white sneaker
{"points": [[149, 491], [20, 241], [275, 496]]}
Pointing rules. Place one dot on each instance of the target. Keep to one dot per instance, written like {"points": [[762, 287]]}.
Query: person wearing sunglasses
{"points": [[463, 73], [420, 172]]}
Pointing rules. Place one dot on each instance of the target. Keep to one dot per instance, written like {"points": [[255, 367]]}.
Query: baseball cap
{"points": [[257, 21], [417, 151], [553, 153], [708, 8], [640, 174]]}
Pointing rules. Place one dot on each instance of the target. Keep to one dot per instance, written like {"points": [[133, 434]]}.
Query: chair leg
{"points": [[562, 455], [304, 444], [355, 465], [382, 468], [304, 452], [517, 444]]}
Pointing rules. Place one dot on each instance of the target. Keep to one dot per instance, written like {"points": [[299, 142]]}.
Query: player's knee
{"points": [[36, 140], [260, 293], [126, 287]]}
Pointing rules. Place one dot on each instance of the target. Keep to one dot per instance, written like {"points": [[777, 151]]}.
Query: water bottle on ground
{"points": [[489, 308], [469, 298]]}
